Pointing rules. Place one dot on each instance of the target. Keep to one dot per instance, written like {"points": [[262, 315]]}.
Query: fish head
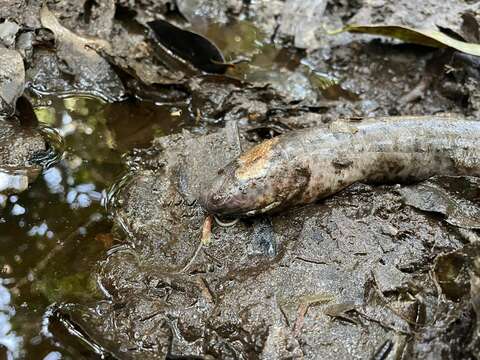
{"points": [[254, 184]]}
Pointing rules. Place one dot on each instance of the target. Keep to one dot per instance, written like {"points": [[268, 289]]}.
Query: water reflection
{"points": [[10, 343], [52, 234], [261, 61], [54, 355], [11, 182]]}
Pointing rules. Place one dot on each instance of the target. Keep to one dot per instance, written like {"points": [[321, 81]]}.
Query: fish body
{"points": [[303, 166]]}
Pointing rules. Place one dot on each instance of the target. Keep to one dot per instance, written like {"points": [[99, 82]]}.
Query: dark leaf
{"points": [[383, 351], [189, 47]]}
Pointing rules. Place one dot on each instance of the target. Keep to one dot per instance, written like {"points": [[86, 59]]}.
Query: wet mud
{"points": [[303, 284], [109, 254]]}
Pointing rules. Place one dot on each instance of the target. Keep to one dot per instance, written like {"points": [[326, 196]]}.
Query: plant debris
{"points": [[431, 38]]}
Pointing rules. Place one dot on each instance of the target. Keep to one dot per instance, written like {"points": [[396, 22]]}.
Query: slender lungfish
{"points": [[303, 166]]}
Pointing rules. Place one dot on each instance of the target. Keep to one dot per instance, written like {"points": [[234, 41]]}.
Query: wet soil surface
{"points": [[108, 253]]}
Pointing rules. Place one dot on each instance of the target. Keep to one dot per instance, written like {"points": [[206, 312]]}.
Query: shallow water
{"points": [[52, 235], [260, 61]]}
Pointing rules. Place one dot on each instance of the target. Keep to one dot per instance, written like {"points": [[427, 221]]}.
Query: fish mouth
{"points": [[232, 207], [217, 204], [263, 210]]}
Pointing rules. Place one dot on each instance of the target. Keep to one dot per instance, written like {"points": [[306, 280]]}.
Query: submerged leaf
{"points": [[189, 47], [453, 271], [431, 38]]}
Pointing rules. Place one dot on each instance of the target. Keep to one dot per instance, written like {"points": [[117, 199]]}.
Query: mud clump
{"points": [[19, 149], [19, 145], [12, 79]]}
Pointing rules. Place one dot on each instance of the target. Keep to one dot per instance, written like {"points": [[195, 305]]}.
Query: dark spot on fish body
{"points": [[342, 163], [391, 167], [379, 147], [341, 184], [293, 188], [400, 168], [364, 172], [395, 147]]}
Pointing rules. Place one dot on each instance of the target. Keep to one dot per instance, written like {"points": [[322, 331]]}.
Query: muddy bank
{"points": [[353, 276], [370, 272], [340, 278]]}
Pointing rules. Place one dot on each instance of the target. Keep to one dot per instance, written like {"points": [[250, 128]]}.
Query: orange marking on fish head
{"points": [[253, 162]]}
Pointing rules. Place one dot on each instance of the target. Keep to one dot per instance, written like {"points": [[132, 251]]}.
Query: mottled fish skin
{"points": [[306, 165]]}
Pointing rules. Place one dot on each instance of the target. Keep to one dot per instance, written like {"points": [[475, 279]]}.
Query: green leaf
{"points": [[431, 38]]}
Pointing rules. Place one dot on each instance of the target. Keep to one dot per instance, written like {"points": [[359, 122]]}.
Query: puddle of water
{"points": [[285, 69], [52, 234]]}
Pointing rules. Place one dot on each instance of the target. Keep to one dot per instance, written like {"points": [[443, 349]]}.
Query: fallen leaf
{"points": [[190, 47], [432, 38]]}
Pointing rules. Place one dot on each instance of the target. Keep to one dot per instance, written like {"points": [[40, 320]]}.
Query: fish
{"points": [[303, 166]]}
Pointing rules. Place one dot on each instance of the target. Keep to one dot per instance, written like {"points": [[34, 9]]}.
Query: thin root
{"points": [[186, 267], [205, 240]]}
